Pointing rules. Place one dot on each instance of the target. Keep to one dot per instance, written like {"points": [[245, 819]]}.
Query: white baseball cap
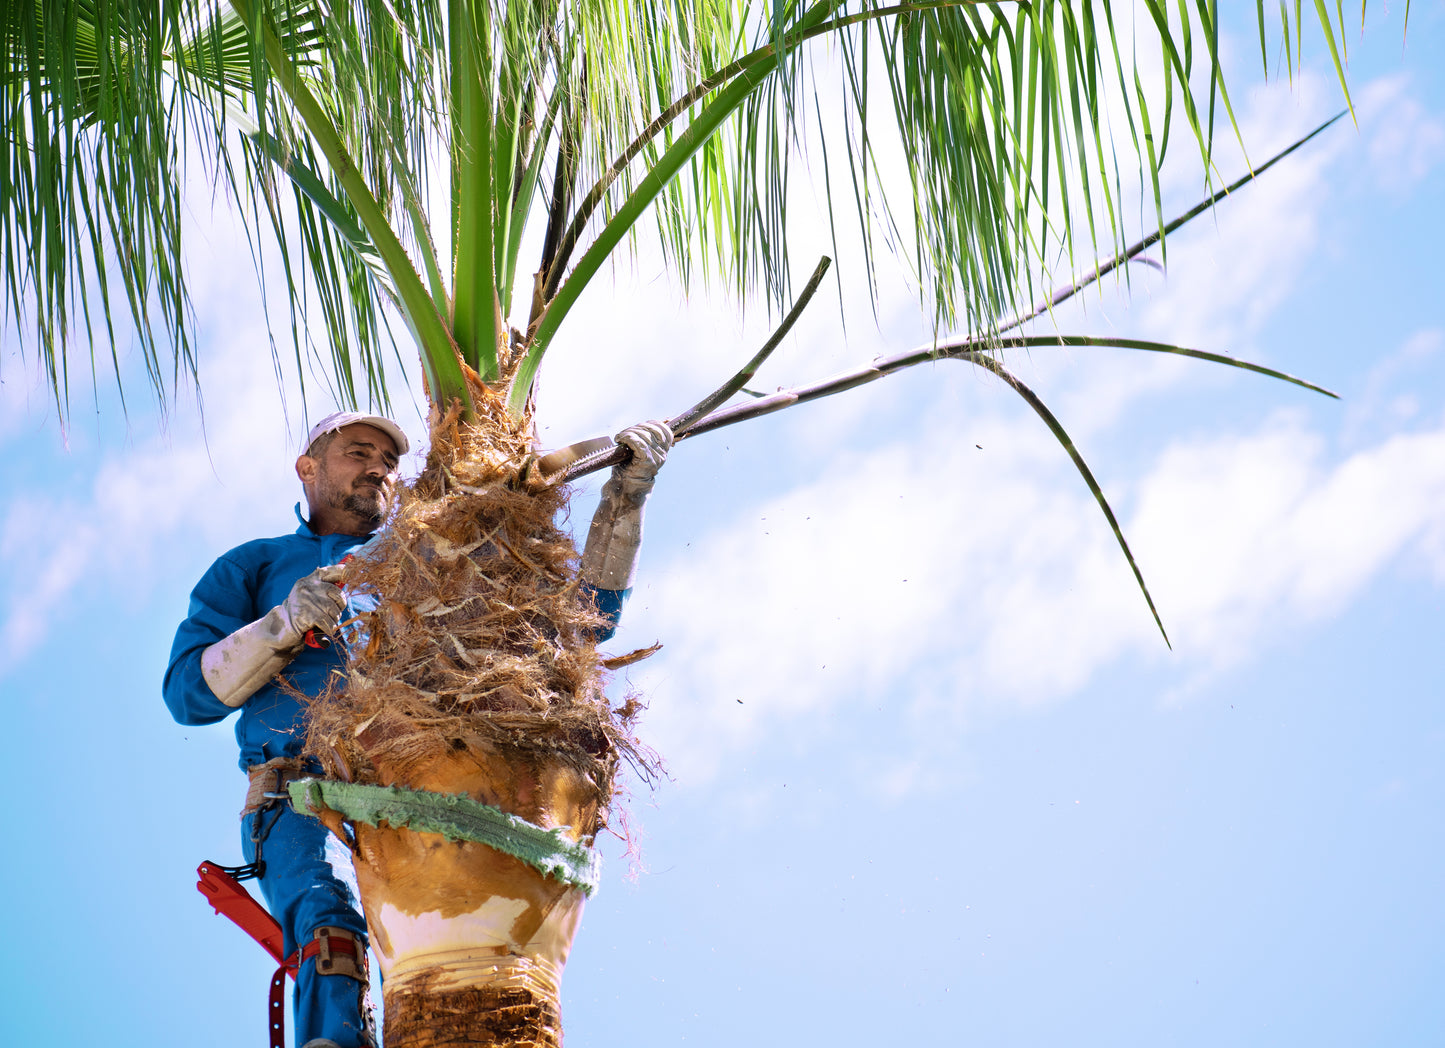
{"points": [[339, 419]]}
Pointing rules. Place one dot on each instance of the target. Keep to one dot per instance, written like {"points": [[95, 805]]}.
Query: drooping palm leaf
{"points": [[983, 350]]}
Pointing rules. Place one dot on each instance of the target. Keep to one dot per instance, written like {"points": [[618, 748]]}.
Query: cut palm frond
{"points": [[982, 350]]}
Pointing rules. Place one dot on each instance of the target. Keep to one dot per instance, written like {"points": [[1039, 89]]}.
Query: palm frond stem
{"points": [[988, 363], [980, 352], [682, 423], [1101, 269], [475, 305]]}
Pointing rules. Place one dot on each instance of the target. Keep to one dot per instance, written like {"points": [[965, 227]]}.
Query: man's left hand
{"points": [[650, 442]]}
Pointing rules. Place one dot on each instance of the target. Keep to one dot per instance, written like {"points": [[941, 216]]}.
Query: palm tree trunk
{"points": [[471, 941], [478, 676]]}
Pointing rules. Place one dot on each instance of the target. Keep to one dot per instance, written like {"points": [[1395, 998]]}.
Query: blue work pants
{"points": [[309, 884]]}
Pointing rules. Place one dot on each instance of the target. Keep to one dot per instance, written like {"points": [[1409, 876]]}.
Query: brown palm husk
{"points": [[483, 640]]}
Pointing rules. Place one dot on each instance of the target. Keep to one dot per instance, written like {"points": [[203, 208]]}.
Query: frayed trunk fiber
{"points": [[478, 676]]}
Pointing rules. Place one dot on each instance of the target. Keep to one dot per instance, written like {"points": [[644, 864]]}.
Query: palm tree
{"points": [[470, 760]]}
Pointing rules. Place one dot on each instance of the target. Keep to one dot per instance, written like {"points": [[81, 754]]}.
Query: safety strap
{"points": [[457, 817], [336, 951], [266, 783]]}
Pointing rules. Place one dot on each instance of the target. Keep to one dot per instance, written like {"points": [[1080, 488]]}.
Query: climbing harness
{"points": [[265, 792], [336, 951]]}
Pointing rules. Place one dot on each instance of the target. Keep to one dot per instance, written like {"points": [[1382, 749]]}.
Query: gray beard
{"points": [[370, 507]]}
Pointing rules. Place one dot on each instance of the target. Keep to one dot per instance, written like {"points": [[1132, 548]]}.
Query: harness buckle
{"points": [[334, 959]]}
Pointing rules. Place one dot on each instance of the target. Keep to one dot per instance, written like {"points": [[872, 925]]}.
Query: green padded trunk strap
{"points": [[458, 818]]}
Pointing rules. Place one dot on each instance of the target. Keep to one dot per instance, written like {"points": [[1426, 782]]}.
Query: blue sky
{"points": [[934, 777]]}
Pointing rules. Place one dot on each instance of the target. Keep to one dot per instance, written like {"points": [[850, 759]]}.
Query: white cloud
{"points": [[929, 574], [1388, 399], [45, 581], [1274, 532], [1406, 141], [924, 551]]}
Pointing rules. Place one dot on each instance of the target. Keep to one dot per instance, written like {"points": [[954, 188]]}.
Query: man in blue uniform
{"points": [[259, 610]]}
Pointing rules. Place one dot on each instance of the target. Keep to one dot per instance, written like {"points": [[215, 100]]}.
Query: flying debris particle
{"points": [[979, 446], [740, 702]]}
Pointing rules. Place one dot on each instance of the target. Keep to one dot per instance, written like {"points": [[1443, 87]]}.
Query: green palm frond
{"points": [[592, 118]]}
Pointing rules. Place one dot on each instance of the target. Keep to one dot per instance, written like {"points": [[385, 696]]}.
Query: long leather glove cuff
{"points": [[235, 667], [609, 560]]}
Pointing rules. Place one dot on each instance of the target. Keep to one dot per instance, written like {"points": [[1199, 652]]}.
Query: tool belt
{"points": [[271, 777]]}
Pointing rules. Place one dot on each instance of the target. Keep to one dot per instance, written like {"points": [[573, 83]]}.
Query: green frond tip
{"points": [[723, 393], [1048, 341], [1031, 398], [1132, 253]]}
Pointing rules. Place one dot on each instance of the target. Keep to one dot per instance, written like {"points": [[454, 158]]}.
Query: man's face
{"points": [[352, 480]]}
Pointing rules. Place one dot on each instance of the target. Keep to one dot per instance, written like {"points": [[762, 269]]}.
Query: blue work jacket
{"points": [[240, 587]]}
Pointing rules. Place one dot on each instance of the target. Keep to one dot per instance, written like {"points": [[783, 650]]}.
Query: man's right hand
{"points": [[315, 602], [237, 666]]}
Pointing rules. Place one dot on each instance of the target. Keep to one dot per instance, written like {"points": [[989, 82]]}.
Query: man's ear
{"points": [[306, 468]]}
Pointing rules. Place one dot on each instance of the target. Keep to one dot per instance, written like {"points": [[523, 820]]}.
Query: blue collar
{"points": [[305, 528]]}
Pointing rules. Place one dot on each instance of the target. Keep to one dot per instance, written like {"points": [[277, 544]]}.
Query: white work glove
{"points": [[650, 442], [235, 667], [609, 560]]}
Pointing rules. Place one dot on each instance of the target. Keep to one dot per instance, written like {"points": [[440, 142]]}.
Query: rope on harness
{"points": [[459, 818]]}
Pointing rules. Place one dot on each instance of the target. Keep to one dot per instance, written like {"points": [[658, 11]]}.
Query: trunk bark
{"points": [[472, 942]]}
